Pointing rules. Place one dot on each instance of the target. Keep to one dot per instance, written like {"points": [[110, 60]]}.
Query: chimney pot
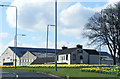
{"points": [[79, 46], [63, 48]]}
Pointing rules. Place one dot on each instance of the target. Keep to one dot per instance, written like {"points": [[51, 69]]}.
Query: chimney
{"points": [[79, 46], [63, 48]]}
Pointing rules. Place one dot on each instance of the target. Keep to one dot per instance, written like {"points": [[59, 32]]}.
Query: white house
{"points": [[78, 55]]}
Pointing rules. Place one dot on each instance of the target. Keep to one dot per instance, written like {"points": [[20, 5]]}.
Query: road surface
{"points": [[14, 74]]}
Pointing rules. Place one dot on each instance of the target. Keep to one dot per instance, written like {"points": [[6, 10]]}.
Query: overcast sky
{"points": [[35, 15]]}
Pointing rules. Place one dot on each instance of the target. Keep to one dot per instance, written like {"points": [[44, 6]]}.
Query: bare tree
{"points": [[103, 28]]}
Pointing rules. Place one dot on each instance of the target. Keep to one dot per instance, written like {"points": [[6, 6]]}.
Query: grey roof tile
{"points": [[20, 51]]}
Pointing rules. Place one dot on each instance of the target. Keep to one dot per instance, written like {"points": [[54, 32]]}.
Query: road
{"points": [[14, 74]]}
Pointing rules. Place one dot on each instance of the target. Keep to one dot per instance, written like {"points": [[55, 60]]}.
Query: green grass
{"points": [[64, 72]]}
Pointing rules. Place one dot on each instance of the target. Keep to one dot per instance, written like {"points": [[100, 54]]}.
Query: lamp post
{"points": [[55, 35], [15, 48], [15, 45], [47, 42]]}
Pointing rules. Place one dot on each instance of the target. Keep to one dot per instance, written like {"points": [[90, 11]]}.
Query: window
{"points": [[74, 57], [66, 57], [78, 51], [21, 60], [81, 57], [57, 57], [26, 60], [62, 57], [29, 60]]}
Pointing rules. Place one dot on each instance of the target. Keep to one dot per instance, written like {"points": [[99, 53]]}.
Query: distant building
{"points": [[105, 58], [27, 56], [78, 55]]}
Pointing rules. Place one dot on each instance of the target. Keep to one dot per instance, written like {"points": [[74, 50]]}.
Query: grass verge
{"points": [[65, 72]]}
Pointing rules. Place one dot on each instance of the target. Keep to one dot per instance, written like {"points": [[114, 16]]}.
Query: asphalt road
{"points": [[13, 74]]}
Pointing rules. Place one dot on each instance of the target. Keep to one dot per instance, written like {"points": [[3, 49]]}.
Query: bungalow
{"points": [[78, 55]]}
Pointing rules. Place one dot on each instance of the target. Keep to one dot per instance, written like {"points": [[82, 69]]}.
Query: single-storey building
{"points": [[27, 56], [105, 58], [78, 55]]}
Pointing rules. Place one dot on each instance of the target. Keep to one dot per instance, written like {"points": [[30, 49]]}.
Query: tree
{"points": [[103, 28]]}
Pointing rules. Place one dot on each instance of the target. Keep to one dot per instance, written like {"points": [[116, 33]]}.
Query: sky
{"points": [[35, 15]]}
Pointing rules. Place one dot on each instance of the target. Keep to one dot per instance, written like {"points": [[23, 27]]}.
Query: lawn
{"points": [[66, 72]]}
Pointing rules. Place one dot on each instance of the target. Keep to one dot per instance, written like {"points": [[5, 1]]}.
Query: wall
{"points": [[62, 58], [9, 55], [27, 58], [93, 59], [79, 52]]}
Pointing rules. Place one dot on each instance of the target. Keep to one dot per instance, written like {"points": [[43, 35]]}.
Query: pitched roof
{"points": [[105, 54], [20, 51], [67, 51], [70, 50], [43, 60], [91, 51]]}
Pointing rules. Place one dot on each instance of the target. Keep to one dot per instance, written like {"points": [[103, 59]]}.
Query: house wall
{"points": [[62, 58], [85, 55], [27, 58], [9, 55], [74, 57], [78, 54], [93, 59]]}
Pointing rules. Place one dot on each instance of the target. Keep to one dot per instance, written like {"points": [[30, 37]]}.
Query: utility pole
{"points": [[55, 35], [15, 39]]}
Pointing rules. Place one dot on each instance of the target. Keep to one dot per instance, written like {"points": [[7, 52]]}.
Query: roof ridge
{"points": [[89, 49], [31, 48]]}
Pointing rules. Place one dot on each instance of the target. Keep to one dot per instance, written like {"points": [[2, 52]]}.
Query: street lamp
{"points": [[15, 49], [21, 34], [55, 35], [47, 42], [15, 45]]}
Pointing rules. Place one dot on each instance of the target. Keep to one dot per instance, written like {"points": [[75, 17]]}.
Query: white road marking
{"points": [[67, 77], [17, 76]]}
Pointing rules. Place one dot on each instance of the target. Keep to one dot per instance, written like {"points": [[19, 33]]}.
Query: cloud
{"points": [[60, 44], [4, 35], [36, 15], [113, 1], [32, 15], [34, 38], [74, 18], [2, 47]]}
